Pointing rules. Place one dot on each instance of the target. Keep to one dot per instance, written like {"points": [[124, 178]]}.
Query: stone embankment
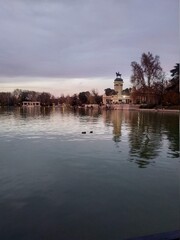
{"points": [[128, 107], [160, 110], [122, 107]]}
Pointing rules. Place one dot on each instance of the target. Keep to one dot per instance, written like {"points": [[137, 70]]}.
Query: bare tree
{"points": [[147, 72]]}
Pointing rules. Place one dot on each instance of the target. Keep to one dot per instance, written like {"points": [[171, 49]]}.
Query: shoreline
{"points": [[160, 110], [129, 108]]}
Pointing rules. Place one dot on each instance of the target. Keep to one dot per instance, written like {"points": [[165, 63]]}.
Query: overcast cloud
{"points": [[54, 41]]}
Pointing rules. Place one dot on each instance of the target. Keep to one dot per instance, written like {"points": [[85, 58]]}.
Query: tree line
{"points": [[16, 98], [150, 86]]}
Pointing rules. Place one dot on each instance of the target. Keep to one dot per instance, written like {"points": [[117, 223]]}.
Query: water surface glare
{"points": [[118, 182]]}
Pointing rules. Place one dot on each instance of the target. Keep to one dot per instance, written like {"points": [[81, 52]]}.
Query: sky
{"points": [[69, 46]]}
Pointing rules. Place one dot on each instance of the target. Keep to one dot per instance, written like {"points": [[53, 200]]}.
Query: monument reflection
{"points": [[147, 133]]}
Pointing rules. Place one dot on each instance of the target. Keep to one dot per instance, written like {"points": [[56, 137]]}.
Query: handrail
{"points": [[174, 235]]}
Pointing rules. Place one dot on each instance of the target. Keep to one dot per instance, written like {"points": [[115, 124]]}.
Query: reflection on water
{"points": [[57, 183], [116, 118], [148, 133]]}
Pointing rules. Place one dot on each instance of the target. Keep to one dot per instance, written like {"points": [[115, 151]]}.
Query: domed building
{"points": [[117, 95]]}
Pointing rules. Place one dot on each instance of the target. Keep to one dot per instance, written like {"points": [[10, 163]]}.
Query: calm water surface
{"points": [[118, 182]]}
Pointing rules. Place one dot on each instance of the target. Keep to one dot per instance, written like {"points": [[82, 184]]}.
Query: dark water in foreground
{"points": [[118, 182]]}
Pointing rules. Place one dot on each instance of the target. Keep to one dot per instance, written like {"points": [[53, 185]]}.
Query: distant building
{"points": [[30, 104], [120, 96]]}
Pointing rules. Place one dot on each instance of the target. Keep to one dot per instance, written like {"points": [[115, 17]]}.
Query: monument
{"points": [[118, 88]]}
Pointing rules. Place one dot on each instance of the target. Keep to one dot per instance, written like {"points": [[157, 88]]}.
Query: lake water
{"points": [[118, 182]]}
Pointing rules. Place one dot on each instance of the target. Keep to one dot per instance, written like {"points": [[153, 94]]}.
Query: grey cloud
{"points": [[84, 38]]}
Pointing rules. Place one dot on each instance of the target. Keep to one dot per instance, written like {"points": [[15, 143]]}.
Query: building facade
{"points": [[118, 97], [31, 104]]}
